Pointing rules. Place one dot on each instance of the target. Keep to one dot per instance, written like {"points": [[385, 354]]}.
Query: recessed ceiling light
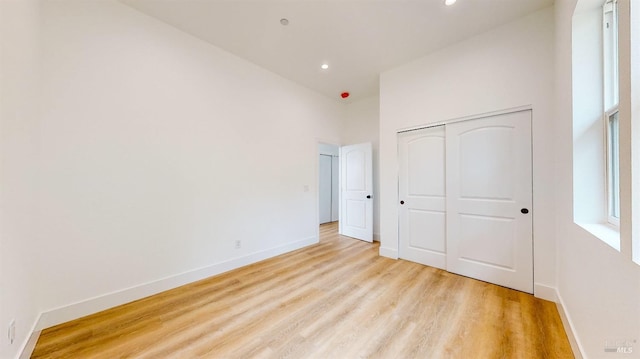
{"points": [[324, 66], [285, 22], [449, 2]]}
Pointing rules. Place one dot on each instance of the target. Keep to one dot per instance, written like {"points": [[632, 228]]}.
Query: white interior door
{"points": [[489, 195], [422, 196], [356, 182], [324, 188]]}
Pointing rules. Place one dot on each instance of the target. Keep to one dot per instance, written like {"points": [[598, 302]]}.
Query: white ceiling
{"points": [[359, 39]]}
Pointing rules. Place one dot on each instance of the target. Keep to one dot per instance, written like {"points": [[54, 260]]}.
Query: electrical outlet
{"points": [[238, 244], [11, 333]]}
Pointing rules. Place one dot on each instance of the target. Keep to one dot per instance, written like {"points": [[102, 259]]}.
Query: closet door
{"points": [[489, 197], [422, 196]]}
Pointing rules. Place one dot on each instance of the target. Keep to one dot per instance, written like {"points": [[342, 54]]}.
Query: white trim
{"points": [[611, 58], [376, 237], [468, 118], [569, 328], [605, 232], [93, 305], [388, 252], [608, 166], [545, 292], [30, 344]]}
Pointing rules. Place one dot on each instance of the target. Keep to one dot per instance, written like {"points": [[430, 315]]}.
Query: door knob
{"points": [[368, 196], [524, 211], [401, 202]]}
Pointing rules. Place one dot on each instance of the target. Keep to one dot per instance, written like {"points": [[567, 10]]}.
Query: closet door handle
{"points": [[524, 211], [368, 196], [401, 202]]}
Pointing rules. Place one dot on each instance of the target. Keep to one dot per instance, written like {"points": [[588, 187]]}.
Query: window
{"points": [[610, 53], [611, 100], [595, 98]]}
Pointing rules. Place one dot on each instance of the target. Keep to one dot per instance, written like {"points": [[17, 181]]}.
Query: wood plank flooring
{"points": [[336, 299]]}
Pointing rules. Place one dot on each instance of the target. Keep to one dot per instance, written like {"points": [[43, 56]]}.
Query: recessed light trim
{"points": [[284, 21], [324, 66], [449, 2]]}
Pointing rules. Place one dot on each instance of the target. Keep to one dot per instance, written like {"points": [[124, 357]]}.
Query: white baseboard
{"points": [[388, 252], [30, 345], [93, 305], [376, 237], [577, 348], [545, 292], [551, 294]]}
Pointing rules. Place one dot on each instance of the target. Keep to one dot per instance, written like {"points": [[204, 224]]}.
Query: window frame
{"points": [[610, 64], [611, 99], [612, 148]]}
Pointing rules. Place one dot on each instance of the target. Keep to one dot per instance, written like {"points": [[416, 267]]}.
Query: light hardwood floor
{"points": [[337, 299]]}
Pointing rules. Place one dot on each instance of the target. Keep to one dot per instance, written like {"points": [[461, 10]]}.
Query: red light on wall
{"points": [[344, 95]]}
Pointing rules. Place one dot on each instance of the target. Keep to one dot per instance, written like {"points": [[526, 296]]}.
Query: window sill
{"points": [[607, 233]]}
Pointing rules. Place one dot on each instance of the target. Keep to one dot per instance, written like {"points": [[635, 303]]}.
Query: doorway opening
{"points": [[328, 183], [345, 190]]}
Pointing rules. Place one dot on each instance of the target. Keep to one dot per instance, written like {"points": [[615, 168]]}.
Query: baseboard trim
{"points": [[388, 252], [376, 237], [545, 292], [30, 345], [569, 328], [93, 305]]}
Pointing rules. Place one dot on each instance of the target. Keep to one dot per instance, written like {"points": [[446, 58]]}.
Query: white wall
{"points": [[153, 154], [599, 287], [151, 143], [361, 125], [19, 106], [507, 67]]}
